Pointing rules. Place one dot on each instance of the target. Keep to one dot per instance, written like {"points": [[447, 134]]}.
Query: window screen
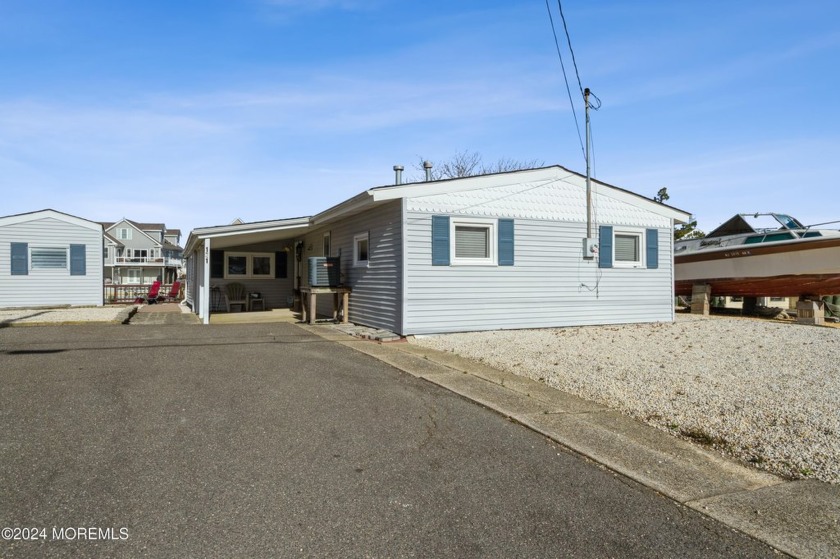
{"points": [[49, 258], [262, 266], [237, 265], [472, 242], [627, 248]]}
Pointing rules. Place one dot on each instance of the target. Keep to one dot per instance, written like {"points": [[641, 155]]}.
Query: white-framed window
{"points": [[104, 253], [327, 244], [628, 248], [48, 258], [141, 253], [236, 265], [133, 276], [244, 265], [262, 265], [361, 249], [124, 233], [473, 242]]}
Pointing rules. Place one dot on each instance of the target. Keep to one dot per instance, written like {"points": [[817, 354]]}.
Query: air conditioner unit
{"points": [[324, 271]]}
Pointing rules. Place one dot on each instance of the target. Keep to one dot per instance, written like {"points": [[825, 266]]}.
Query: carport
{"points": [[264, 256]]}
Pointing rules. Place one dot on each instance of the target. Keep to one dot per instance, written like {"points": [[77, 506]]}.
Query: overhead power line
{"points": [[563, 66], [569, 41]]}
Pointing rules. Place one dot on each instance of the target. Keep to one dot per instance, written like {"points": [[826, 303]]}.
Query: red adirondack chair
{"points": [[174, 292], [151, 298]]}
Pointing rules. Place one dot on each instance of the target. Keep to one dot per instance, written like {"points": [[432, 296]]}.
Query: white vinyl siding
{"points": [[49, 235], [376, 297], [550, 285]]}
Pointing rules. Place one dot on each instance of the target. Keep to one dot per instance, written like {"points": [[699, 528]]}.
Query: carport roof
{"points": [[223, 236]]}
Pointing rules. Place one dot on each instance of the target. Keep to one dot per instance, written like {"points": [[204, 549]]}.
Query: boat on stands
{"points": [[761, 255]]}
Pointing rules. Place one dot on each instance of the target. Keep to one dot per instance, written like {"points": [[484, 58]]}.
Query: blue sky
{"points": [[196, 113]]}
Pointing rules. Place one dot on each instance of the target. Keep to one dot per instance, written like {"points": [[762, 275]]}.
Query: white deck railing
{"points": [[144, 260]]}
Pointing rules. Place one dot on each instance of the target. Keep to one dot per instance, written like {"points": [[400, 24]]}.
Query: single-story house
{"points": [[520, 249], [49, 258]]}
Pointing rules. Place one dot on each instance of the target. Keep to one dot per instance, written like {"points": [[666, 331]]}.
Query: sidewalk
{"points": [[801, 518], [163, 313]]}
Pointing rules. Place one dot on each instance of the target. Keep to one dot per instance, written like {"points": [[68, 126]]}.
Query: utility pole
{"points": [[588, 177]]}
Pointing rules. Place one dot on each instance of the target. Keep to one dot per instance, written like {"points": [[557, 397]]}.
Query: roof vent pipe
{"points": [[398, 169], [428, 166]]}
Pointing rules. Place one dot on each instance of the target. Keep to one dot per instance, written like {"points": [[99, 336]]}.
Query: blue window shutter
{"points": [[217, 264], [652, 248], [281, 264], [505, 242], [440, 240], [77, 260], [605, 246], [20, 259]]}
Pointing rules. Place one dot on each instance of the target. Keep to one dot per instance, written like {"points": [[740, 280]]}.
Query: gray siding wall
{"points": [[549, 285], [51, 287], [376, 297], [275, 291], [137, 240], [193, 278]]}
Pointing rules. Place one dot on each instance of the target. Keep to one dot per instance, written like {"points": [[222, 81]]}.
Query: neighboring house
{"points": [[499, 251], [140, 253], [49, 258]]}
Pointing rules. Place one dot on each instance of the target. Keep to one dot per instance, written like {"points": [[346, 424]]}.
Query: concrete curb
{"points": [[801, 518]]}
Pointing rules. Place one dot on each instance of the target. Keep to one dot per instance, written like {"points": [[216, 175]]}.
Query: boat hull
{"points": [[790, 269]]}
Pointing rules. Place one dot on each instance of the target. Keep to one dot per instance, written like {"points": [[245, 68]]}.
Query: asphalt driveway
{"points": [[264, 440]]}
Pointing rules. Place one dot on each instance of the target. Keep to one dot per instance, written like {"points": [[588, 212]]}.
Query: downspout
{"points": [[404, 264]]}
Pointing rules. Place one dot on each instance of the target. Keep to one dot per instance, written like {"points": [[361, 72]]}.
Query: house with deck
{"points": [[49, 258], [522, 249], [141, 253]]}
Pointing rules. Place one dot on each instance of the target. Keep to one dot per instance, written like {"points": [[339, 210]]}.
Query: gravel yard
{"points": [[70, 315], [765, 392]]}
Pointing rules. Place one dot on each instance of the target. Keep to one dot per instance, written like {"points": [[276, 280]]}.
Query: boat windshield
{"points": [[788, 222]]}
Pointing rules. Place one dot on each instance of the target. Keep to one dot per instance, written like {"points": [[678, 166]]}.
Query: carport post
{"points": [[205, 285]]}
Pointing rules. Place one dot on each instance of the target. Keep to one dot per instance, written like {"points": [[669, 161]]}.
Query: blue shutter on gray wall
{"points": [[217, 264], [505, 242], [281, 264], [20, 259], [605, 246], [440, 240], [77, 260], [652, 247]]}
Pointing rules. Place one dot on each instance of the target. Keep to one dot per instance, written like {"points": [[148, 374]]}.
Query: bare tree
{"points": [[470, 163]]}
